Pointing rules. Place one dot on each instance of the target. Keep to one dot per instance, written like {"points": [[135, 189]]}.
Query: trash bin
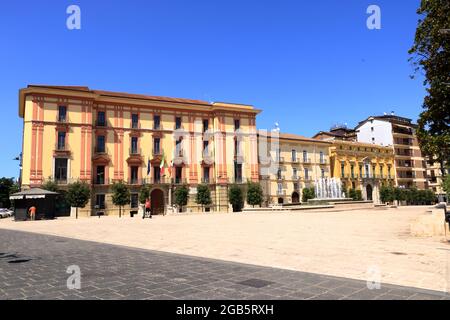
{"points": [[133, 212]]}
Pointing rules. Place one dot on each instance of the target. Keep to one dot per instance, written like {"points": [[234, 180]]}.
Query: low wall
{"points": [[430, 224]]}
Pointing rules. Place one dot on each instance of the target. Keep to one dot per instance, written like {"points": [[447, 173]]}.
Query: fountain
{"points": [[328, 189]]}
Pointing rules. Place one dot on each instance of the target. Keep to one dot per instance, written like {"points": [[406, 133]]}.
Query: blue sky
{"points": [[306, 64]]}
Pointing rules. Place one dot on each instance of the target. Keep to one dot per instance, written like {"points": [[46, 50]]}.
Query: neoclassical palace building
{"points": [[289, 163], [360, 166], [75, 133]]}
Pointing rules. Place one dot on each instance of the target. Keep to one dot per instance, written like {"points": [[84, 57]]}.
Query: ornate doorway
{"points": [[295, 197], [157, 201], [369, 192]]}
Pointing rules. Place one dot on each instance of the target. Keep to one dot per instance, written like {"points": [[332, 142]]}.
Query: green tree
{"points": [[254, 194], [7, 187], [236, 197], [386, 194], [181, 196], [120, 196], [358, 195], [78, 194], [203, 195], [446, 185], [308, 193], [431, 54], [144, 194], [399, 195], [352, 194], [50, 185]]}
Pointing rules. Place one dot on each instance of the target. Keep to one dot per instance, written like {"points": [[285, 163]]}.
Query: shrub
{"points": [[254, 194], [236, 197], [203, 195], [181, 196], [308, 193]]}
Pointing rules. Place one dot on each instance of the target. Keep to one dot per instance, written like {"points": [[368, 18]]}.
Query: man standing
{"points": [[32, 212], [148, 210]]}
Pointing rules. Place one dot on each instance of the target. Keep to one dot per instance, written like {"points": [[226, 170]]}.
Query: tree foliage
{"points": [[7, 187], [78, 194], [254, 194], [308, 193], [446, 184], [120, 196], [431, 54], [144, 194], [236, 197], [203, 195], [181, 196]]}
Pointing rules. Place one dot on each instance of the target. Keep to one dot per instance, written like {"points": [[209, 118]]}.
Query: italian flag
{"points": [[161, 166]]}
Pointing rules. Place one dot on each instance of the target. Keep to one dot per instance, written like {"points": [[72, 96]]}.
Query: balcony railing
{"points": [[157, 126], [156, 152], [323, 161], [135, 151], [100, 123], [100, 149], [134, 181], [281, 192], [280, 177], [61, 147], [295, 177], [61, 119], [308, 160], [135, 125], [206, 180]]}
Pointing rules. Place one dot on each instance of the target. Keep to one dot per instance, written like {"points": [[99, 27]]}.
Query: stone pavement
{"points": [[33, 266]]}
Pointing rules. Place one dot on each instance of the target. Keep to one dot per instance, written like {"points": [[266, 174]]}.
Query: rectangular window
{"points": [[134, 174], [100, 144], [238, 172], [294, 155], [205, 148], [100, 201], [374, 171], [306, 174], [178, 148], [134, 200], [61, 170], [322, 159], [367, 169], [206, 174], [156, 174], [156, 146], [101, 119], [157, 122], [134, 121], [322, 173], [62, 113], [280, 188], [178, 174], [342, 170], [294, 173], [352, 171], [305, 156], [279, 174], [134, 145], [205, 125], [177, 123], [237, 124], [296, 186], [100, 175], [61, 140]]}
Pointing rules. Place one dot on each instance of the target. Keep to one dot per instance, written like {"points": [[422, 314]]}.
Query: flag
{"points": [[161, 166], [170, 168], [148, 167]]}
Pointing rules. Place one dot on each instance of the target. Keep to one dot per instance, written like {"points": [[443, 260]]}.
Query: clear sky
{"points": [[306, 64]]}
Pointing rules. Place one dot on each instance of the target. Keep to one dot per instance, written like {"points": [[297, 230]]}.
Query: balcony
{"points": [[161, 180], [134, 181], [295, 177], [62, 119], [281, 178], [135, 151], [135, 125], [281, 192], [100, 150], [100, 123], [306, 160], [307, 178], [101, 181], [206, 180], [61, 149], [295, 161], [156, 153], [323, 162], [157, 126]]}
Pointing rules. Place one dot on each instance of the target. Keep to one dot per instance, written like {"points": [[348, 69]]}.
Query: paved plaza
{"points": [[34, 266], [302, 255]]}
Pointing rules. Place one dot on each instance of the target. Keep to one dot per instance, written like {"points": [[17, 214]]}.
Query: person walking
{"points": [[32, 212], [148, 210]]}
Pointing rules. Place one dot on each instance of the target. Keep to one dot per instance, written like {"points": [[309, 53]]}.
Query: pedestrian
{"points": [[148, 210], [32, 212]]}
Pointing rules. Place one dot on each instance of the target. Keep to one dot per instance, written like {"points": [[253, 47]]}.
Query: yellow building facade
{"points": [[289, 163], [100, 137], [362, 166]]}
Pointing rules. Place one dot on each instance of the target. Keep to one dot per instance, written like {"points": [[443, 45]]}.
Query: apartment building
{"points": [[289, 163], [398, 133], [74, 133]]}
